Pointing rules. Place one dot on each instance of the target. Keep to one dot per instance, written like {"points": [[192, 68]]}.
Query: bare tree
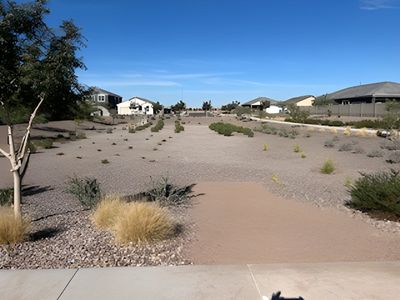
{"points": [[19, 159]]}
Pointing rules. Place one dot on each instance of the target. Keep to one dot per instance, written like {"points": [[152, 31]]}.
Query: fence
{"points": [[351, 110]]}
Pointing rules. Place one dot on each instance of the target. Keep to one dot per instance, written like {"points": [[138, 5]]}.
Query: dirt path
{"points": [[244, 223]]}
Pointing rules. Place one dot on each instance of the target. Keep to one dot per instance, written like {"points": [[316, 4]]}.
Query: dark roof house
{"points": [[367, 93], [255, 103], [101, 96]]}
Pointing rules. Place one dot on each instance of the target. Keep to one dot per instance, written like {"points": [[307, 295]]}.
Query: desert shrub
{"points": [[107, 211], [113, 144], [379, 192], [303, 155], [158, 126], [328, 167], [132, 130], [6, 196], [109, 130], [105, 161], [32, 147], [265, 147], [86, 190], [12, 230], [329, 143], [167, 194], [81, 135], [130, 147], [391, 145], [348, 182], [228, 129], [60, 153], [358, 150], [178, 127], [267, 129], [142, 127], [345, 147], [45, 143], [375, 153], [142, 222], [394, 157], [297, 148]]}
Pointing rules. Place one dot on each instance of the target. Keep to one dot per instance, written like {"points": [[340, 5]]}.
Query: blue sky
{"points": [[226, 50]]}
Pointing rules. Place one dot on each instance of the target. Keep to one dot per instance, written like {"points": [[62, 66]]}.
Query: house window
{"points": [[102, 98]]}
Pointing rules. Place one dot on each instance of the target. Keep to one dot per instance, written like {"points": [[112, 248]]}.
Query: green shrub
{"points": [[6, 196], [166, 193], [228, 129], [158, 126], [86, 190], [178, 127], [329, 144], [45, 143], [328, 167], [379, 192]]}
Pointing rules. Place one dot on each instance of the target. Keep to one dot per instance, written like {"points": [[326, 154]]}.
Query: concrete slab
{"points": [[33, 284], [371, 280], [184, 282]]}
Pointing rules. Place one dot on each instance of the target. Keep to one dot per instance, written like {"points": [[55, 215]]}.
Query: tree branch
{"points": [[25, 139], [4, 153]]}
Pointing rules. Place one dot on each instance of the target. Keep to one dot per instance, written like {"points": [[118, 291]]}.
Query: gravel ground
{"points": [[65, 236]]}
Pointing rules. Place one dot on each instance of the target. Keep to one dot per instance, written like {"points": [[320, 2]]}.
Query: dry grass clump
{"points": [[134, 222], [107, 211], [143, 222], [12, 230]]}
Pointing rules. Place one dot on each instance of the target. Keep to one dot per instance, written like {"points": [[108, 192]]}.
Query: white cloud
{"points": [[379, 4]]}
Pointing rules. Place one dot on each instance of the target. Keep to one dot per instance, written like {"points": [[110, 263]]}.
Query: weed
{"points": [[346, 147], [113, 144], [276, 179], [107, 211], [303, 155], [105, 161], [394, 157], [266, 147], [348, 182], [158, 126], [98, 150], [297, 148], [328, 167], [329, 144], [130, 147], [45, 144], [79, 157], [60, 153], [6, 196], [109, 130], [86, 190]]}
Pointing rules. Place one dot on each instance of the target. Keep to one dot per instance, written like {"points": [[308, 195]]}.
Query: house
{"points": [[367, 93], [136, 106], [105, 98], [256, 103], [307, 100]]}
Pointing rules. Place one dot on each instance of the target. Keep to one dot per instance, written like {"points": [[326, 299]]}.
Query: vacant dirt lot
{"points": [[194, 156]]}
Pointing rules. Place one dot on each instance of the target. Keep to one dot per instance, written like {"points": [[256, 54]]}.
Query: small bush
{"points": [[375, 153], [329, 143], [60, 153], [328, 167], [348, 182], [266, 147], [390, 145], [379, 192], [6, 196], [86, 190], [158, 126], [107, 211], [303, 155], [167, 194], [394, 157], [178, 127], [113, 144], [346, 147], [109, 130], [81, 135], [130, 147], [142, 222], [45, 143], [105, 161], [297, 148], [12, 230], [358, 150], [228, 129]]}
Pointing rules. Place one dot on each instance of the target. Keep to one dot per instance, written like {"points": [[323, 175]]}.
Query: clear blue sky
{"points": [[227, 50]]}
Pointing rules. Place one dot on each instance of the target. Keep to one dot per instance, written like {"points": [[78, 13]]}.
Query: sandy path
{"points": [[244, 223]]}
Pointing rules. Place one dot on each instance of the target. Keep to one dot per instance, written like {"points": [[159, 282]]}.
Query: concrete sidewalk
{"points": [[371, 280]]}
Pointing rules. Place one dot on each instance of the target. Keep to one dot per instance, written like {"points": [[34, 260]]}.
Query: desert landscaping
{"points": [[260, 199]]}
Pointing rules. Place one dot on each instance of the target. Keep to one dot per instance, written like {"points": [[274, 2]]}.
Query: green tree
{"points": [[36, 67], [207, 105], [179, 106], [157, 107], [230, 106], [296, 114]]}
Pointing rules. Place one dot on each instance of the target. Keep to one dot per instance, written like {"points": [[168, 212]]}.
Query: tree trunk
{"points": [[17, 194]]}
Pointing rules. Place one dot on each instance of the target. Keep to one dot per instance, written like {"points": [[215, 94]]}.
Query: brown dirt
{"points": [[244, 223]]}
